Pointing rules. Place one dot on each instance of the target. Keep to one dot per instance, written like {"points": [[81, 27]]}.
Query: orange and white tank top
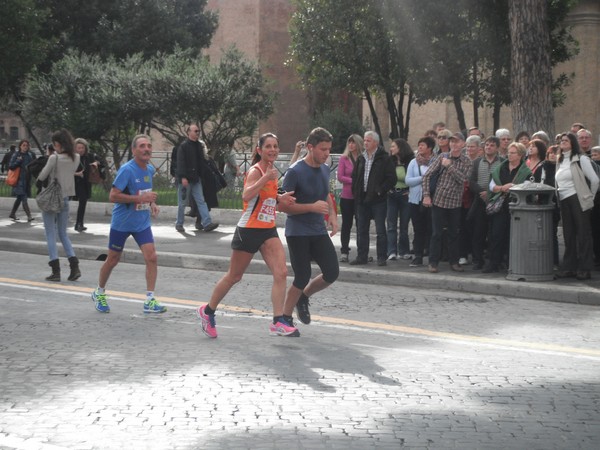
{"points": [[259, 211]]}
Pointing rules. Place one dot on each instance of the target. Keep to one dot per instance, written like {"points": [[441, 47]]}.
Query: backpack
{"points": [[596, 168], [173, 169]]}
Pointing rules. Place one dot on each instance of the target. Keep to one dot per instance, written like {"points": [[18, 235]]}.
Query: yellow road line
{"points": [[335, 320]]}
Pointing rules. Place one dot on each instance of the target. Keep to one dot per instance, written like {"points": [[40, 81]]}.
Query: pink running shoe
{"points": [[282, 328], [208, 322]]}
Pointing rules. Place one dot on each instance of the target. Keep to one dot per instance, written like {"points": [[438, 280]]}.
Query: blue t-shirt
{"points": [[133, 180], [309, 184]]}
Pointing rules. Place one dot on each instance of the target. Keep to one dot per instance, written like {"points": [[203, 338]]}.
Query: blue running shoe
{"points": [[153, 307], [100, 301]]}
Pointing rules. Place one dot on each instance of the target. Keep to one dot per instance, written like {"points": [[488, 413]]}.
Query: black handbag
{"points": [[218, 178], [495, 205], [433, 180]]}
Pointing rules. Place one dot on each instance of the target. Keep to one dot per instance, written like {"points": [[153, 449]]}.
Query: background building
{"points": [[259, 28]]}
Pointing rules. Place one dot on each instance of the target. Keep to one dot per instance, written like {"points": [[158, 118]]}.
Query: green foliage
{"points": [[349, 45], [340, 124], [34, 34], [21, 45], [227, 100], [407, 51], [120, 28], [109, 101]]}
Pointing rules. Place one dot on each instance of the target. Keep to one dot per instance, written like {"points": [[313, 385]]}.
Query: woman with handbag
{"points": [[90, 170], [354, 148], [60, 167], [22, 190], [576, 183], [510, 172]]}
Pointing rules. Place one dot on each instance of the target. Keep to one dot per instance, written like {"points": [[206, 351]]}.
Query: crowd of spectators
{"points": [[455, 190]]}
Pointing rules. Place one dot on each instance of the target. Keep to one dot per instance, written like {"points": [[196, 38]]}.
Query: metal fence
{"points": [[229, 197]]}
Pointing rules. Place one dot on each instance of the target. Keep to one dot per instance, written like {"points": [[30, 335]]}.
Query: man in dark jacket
{"points": [[7, 156], [373, 176], [190, 167]]}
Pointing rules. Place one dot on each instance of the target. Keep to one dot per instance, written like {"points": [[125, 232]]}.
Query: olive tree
{"points": [[108, 101]]}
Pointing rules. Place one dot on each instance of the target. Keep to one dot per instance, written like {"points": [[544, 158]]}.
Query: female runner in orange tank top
{"points": [[256, 231]]}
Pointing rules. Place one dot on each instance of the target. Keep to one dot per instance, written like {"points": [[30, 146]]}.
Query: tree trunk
{"points": [[475, 96], [373, 112], [406, 126], [460, 113], [531, 70], [393, 113], [496, 115], [400, 109]]}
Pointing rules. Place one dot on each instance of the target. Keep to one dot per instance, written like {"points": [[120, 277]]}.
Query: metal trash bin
{"points": [[531, 206]]}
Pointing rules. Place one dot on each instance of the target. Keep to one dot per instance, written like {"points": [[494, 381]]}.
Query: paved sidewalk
{"points": [[210, 251]]}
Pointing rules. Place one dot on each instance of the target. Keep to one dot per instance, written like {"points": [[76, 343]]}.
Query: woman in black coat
{"points": [[22, 191], [83, 186]]}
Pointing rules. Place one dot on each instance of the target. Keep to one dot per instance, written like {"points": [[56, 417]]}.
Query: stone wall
{"points": [[260, 29], [583, 100]]}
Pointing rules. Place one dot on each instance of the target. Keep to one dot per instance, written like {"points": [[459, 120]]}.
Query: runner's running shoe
{"points": [[208, 322], [302, 309], [153, 307], [282, 328], [100, 301]]}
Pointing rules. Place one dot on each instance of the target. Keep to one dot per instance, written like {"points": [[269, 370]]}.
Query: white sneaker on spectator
{"points": [[392, 257], [463, 261]]}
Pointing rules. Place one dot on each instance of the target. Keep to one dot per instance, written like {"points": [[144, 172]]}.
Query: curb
{"points": [[574, 292]]}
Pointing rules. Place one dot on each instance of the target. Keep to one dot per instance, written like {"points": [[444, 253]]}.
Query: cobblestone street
{"points": [[379, 367]]}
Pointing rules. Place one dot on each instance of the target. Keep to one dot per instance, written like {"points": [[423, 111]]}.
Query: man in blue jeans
{"points": [[373, 176], [190, 163]]}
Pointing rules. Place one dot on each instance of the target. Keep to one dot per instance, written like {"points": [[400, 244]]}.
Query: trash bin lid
{"points": [[530, 187]]}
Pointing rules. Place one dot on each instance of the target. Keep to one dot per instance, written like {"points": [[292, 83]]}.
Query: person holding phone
{"points": [[453, 168]]}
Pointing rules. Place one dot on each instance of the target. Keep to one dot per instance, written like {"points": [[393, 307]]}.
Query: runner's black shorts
{"points": [[250, 239], [320, 249]]}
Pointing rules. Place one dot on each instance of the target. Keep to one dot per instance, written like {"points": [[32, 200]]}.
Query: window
{"points": [[14, 133]]}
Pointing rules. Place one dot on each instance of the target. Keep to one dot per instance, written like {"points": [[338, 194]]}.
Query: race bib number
{"points": [[142, 206], [267, 211]]}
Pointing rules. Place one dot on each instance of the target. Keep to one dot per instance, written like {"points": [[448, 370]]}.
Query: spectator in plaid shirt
{"points": [[453, 169]]}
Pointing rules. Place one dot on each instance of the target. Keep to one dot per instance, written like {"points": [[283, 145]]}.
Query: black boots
{"points": [[75, 272], [55, 265], [13, 212], [28, 212], [55, 275]]}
